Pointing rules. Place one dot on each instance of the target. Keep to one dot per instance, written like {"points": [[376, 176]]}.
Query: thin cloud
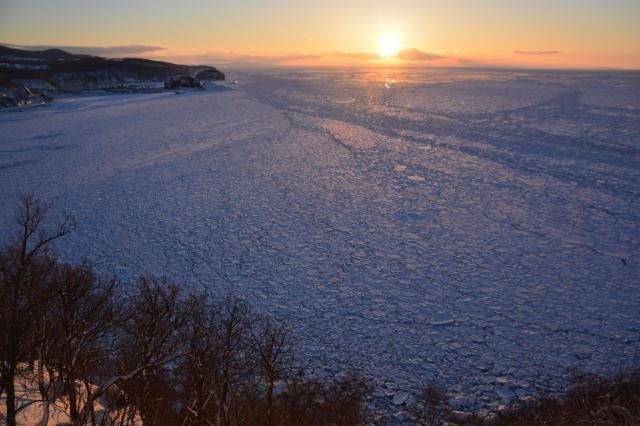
{"points": [[289, 58], [294, 57], [537, 52], [363, 56], [125, 50], [237, 57], [231, 58], [416, 55]]}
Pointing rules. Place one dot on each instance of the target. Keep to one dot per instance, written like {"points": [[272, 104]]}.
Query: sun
{"points": [[389, 46]]}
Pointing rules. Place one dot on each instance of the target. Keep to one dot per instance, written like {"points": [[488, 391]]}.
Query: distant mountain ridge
{"points": [[39, 54], [54, 70]]}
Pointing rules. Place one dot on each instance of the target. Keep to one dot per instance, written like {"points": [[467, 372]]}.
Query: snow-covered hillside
{"points": [[31, 407], [476, 229]]}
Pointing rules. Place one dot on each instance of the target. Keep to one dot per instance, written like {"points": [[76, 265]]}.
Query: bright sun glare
{"points": [[389, 46]]}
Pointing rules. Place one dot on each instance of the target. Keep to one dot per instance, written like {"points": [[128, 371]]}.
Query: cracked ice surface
{"points": [[473, 228]]}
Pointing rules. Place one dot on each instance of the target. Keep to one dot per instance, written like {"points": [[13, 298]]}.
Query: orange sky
{"points": [[567, 34]]}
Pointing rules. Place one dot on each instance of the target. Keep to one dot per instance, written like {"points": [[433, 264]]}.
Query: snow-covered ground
{"points": [[477, 229], [31, 407]]}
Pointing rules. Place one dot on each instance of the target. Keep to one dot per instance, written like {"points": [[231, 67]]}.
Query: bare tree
{"points": [[43, 347], [271, 346], [344, 401], [80, 318], [148, 343], [302, 403], [233, 363], [431, 407], [25, 266], [313, 403], [198, 369]]}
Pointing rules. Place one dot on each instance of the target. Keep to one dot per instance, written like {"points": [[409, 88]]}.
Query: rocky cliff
{"points": [[27, 76]]}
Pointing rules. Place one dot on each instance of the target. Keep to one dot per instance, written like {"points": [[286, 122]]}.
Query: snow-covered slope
{"points": [[30, 405], [477, 229]]}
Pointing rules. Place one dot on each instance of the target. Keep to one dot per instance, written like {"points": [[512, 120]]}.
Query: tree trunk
{"points": [[44, 420], [11, 394], [73, 403], [218, 412], [270, 403], [223, 405], [44, 390]]}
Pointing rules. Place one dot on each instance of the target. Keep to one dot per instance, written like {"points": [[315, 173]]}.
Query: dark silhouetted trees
{"points": [[26, 263], [270, 343], [153, 354]]}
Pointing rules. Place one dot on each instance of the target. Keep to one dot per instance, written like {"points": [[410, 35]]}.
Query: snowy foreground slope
{"points": [[476, 229], [29, 397]]}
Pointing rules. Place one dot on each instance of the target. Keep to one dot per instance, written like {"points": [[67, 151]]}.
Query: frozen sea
{"points": [[479, 229]]}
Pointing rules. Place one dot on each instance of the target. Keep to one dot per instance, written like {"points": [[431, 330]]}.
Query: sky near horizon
{"points": [[544, 33]]}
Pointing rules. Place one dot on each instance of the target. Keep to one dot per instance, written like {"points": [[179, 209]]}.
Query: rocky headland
{"points": [[34, 77]]}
